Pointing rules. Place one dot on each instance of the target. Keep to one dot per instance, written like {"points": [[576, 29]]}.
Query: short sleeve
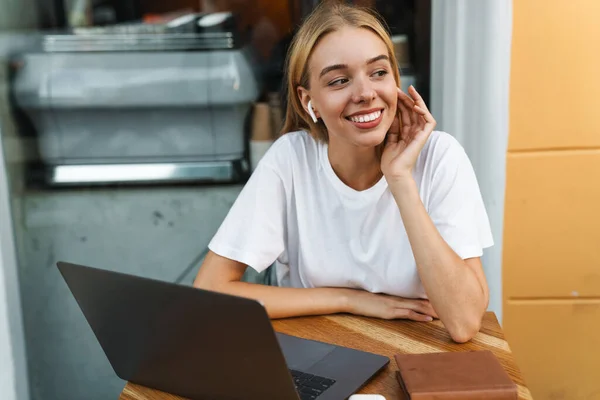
{"points": [[253, 230], [455, 204]]}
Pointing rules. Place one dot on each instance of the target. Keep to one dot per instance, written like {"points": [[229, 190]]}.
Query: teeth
{"points": [[366, 117]]}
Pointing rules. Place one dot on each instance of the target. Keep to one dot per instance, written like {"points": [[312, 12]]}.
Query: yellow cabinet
{"points": [[557, 346], [552, 224], [551, 249], [555, 75]]}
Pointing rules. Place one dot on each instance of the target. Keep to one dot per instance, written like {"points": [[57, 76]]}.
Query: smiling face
{"points": [[352, 87]]}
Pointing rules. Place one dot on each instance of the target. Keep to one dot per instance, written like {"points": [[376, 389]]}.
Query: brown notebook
{"points": [[454, 375]]}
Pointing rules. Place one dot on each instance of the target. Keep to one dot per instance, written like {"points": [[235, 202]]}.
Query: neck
{"points": [[359, 168]]}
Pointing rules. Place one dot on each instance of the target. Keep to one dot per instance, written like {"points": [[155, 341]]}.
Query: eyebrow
{"points": [[345, 66]]}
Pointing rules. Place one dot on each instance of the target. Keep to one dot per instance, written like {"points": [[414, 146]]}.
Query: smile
{"points": [[366, 121], [365, 117]]}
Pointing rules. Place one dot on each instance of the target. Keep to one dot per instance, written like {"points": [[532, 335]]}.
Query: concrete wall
{"points": [[155, 232]]}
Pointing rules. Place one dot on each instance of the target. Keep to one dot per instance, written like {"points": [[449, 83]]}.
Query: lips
{"points": [[366, 120], [365, 117]]}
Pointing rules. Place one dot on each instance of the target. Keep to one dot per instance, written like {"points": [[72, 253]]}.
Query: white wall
{"points": [[7, 369], [470, 68]]}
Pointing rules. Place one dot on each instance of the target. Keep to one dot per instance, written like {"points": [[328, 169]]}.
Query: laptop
{"points": [[201, 344]]}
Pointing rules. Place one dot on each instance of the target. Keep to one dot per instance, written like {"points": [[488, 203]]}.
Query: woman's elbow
{"points": [[212, 283], [464, 331], [216, 272], [207, 281], [200, 283]]}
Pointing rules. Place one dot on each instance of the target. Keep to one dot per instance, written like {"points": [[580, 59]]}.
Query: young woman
{"points": [[361, 205]]}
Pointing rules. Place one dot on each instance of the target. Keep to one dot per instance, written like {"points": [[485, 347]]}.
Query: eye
{"points": [[337, 82], [380, 73]]}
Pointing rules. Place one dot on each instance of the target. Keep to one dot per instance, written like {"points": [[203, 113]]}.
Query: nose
{"points": [[363, 91]]}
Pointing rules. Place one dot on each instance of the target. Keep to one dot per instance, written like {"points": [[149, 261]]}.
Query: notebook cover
{"points": [[454, 375]]}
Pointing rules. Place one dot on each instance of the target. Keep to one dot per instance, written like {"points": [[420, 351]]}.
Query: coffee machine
{"points": [[138, 102]]}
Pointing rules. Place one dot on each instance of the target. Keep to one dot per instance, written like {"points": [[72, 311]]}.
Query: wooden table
{"points": [[381, 337]]}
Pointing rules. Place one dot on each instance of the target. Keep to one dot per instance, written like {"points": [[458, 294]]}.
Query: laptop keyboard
{"points": [[310, 386]]}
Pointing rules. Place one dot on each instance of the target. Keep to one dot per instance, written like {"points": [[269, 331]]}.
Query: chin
{"points": [[371, 139]]}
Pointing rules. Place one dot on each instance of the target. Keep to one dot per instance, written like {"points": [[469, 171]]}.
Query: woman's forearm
{"points": [[224, 275], [454, 290], [283, 302]]}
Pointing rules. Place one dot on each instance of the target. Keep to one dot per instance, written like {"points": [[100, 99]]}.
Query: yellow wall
{"points": [[551, 261]]}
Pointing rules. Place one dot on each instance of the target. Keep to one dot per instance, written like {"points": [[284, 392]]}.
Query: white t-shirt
{"points": [[296, 212]]}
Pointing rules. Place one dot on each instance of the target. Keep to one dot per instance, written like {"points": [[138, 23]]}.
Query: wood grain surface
{"points": [[381, 337]]}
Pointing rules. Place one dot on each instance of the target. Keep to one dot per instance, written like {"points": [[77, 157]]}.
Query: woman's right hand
{"points": [[384, 306]]}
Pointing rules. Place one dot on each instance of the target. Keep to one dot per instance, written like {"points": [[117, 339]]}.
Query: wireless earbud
{"points": [[311, 111]]}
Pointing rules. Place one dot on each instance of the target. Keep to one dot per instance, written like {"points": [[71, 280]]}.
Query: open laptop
{"points": [[206, 345]]}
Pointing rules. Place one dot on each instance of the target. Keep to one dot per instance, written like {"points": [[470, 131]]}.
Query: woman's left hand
{"points": [[406, 136]]}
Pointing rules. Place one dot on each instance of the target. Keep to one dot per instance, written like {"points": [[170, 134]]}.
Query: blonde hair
{"points": [[327, 17]]}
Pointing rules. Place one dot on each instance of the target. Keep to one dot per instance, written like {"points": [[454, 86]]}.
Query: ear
{"points": [[304, 97]]}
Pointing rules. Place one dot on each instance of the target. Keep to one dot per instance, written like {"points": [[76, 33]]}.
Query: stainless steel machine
{"points": [[140, 103]]}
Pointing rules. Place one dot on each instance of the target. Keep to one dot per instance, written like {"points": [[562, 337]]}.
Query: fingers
{"points": [[431, 311], [392, 307], [409, 104], [405, 313], [417, 98], [425, 114], [415, 316], [421, 306], [424, 307], [420, 107], [393, 135], [392, 138], [406, 100], [405, 105], [395, 127]]}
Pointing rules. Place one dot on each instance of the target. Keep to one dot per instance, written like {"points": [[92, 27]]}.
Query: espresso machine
{"points": [[138, 102]]}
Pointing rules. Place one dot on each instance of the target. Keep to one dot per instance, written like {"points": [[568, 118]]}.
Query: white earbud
{"points": [[311, 112]]}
